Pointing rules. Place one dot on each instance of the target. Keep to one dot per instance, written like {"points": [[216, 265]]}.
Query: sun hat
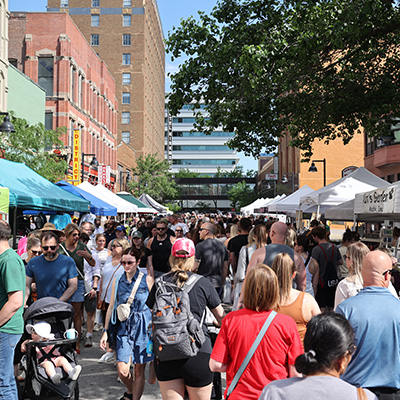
{"points": [[42, 328], [48, 226], [183, 245]]}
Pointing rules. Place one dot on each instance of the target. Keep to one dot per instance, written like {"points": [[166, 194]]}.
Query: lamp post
{"points": [[313, 168], [93, 163], [6, 126], [121, 176]]}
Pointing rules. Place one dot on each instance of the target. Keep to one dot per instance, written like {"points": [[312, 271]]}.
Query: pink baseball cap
{"points": [[183, 245]]}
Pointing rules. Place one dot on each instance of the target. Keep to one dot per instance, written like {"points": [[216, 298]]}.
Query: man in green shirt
{"points": [[12, 286]]}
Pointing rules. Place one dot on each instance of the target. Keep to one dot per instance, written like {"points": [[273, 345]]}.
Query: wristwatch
{"points": [[94, 288], [105, 330]]}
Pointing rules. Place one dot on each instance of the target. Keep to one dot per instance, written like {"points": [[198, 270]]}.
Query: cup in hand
{"points": [[71, 334]]}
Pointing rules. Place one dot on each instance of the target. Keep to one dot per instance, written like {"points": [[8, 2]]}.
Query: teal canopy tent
{"points": [[142, 208], [29, 190]]}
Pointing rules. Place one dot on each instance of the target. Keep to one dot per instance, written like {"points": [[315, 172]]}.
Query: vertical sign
{"points": [[4, 203], [77, 157], [276, 165], [104, 174], [169, 138]]}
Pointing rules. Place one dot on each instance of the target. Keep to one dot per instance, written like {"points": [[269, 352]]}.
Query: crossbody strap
{"points": [[135, 288], [250, 354], [109, 282], [69, 255], [361, 394]]}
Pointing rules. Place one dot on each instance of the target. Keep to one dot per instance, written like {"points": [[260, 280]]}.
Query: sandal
{"points": [[126, 396]]}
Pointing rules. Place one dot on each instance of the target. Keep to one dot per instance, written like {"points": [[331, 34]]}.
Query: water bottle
{"points": [[150, 345]]}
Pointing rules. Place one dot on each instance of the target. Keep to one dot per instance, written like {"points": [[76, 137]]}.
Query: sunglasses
{"points": [[36, 252], [203, 229], [115, 245], [45, 248], [178, 230], [161, 229], [389, 271], [75, 234], [128, 262]]}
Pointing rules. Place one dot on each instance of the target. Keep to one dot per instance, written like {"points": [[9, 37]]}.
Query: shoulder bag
{"points": [[101, 304], [88, 286], [250, 354], [124, 310]]}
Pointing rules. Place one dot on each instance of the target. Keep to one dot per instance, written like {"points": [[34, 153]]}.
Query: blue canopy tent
{"points": [[97, 206]]}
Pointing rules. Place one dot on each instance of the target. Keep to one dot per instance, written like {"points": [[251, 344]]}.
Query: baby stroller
{"points": [[37, 385]]}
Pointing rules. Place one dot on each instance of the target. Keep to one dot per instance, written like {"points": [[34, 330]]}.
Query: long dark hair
{"points": [[329, 337]]}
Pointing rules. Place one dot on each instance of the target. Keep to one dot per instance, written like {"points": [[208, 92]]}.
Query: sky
{"points": [[171, 13]]}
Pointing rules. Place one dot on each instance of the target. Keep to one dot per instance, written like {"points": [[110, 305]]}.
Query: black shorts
{"points": [[325, 296], [195, 371], [90, 304]]}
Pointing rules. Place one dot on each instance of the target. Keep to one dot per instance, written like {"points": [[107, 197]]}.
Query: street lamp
{"points": [[313, 168], [121, 176], [6, 126], [93, 163]]}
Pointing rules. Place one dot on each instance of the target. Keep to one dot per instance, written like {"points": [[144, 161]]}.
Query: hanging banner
{"points": [[76, 167], [104, 174], [4, 203], [379, 200]]}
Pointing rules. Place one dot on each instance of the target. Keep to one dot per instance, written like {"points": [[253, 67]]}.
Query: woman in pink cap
{"points": [[193, 373]]}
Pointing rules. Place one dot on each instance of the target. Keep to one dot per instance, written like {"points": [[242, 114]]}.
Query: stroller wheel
{"points": [[75, 395]]}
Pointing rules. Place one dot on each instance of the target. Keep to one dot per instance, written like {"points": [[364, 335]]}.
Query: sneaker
{"points": [[98, 327], [56, 379], [74, 373], [89, 341], [106, 358]]}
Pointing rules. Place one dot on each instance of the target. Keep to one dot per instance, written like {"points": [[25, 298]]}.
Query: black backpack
{"points": [[331, 278]]}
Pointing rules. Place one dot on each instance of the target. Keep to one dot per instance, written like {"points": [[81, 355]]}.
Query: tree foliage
{"points": [[315, 69], [186, 173], [241, 195], [27, 145], [237, 172], [153, 178]]}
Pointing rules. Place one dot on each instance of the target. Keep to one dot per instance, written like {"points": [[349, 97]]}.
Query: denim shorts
{"points": [[79, 295]]}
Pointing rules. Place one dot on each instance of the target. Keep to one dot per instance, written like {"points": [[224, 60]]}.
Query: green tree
{"points": [[241, 195], [153, 178], [237, 172], [186, 173], [27, 145], [315, 69]]}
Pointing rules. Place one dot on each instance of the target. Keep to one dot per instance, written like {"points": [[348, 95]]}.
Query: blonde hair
{"points": [[284, 267], [234, 230], [70, 228], [290, 237], [123, 242], [260, 235], [261, 290], [180, 266], [251, 238], [357, 251]]}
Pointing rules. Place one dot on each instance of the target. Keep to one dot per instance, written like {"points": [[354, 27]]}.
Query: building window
{"points": [[126, 40], [126, 117], [95, 20], [127, 18], [45, 74], [13, 62], [127, 3], [73, 72], [94, 39], [126, 59], [64, 3], [126, 136], [126, 98], [126, 78], [390, 178], [95, 3], [48, 121]]}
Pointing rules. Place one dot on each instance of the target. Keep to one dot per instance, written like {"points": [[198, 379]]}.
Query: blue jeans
{"points": [[8, 388]]}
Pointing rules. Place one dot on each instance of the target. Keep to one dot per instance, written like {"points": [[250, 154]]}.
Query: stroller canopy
{"points": [[49, 307]]}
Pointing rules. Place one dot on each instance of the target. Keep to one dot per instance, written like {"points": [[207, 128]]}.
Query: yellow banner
{"points": [[76, 167]]}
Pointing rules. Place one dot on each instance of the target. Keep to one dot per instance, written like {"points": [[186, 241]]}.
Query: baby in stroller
{"points": [[49, 357]]}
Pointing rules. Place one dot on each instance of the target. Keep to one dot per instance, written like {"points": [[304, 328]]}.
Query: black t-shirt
{"points": [[144, 257], [202, 295], [235, 244], [212, 254]]}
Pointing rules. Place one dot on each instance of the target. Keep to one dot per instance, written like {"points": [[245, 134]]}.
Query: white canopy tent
{"points": [[147, 199], [249, 209], [342, 190], [269, 202], [341, 212], [290, 204], [109, 197]]}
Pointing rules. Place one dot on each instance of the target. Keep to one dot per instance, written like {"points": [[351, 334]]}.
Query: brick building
{"points": [[80, 91], [127, 34], [4, 14]]}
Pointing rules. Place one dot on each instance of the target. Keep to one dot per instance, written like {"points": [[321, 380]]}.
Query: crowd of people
{"points": [[299, 311]]}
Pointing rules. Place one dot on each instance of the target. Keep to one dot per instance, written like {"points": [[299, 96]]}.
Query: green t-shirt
{"points": [[79, 261], [12, 279]]}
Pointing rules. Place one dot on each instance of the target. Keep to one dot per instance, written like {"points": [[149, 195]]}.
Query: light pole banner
{"points": [[76, 167], [104, 174], [4, 203]]}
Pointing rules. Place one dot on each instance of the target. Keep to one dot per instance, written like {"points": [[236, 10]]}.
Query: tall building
{"points": [[80, 91], [4, 14], [196, 151], [127, 35]]}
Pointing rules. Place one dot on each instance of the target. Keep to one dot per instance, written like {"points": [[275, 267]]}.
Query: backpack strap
{"points": [[188, 285], [326, 257], [250, 354]]}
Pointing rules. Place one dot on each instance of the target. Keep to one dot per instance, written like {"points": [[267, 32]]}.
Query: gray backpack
{"points": [[176, 333]]}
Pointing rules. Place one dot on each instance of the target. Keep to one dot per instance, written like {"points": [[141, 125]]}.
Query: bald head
{"points": [[278, 232], [374, 265], [209, 226]]}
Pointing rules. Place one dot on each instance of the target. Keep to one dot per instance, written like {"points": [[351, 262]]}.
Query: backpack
{"points": [[176, 332], [331, 278]]}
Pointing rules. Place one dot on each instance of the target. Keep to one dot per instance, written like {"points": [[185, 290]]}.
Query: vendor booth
{"points": [[290, 204], [142, 208], [147, 199], [249, 209]]}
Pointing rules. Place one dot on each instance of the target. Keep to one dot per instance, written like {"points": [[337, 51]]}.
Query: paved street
{"points": [[99, 381]]}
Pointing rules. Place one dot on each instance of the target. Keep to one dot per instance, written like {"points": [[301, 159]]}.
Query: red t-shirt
{"points": [[277, 350]]}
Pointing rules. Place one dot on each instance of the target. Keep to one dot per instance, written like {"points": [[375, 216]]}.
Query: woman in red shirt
{"points": [[275, 356]]}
